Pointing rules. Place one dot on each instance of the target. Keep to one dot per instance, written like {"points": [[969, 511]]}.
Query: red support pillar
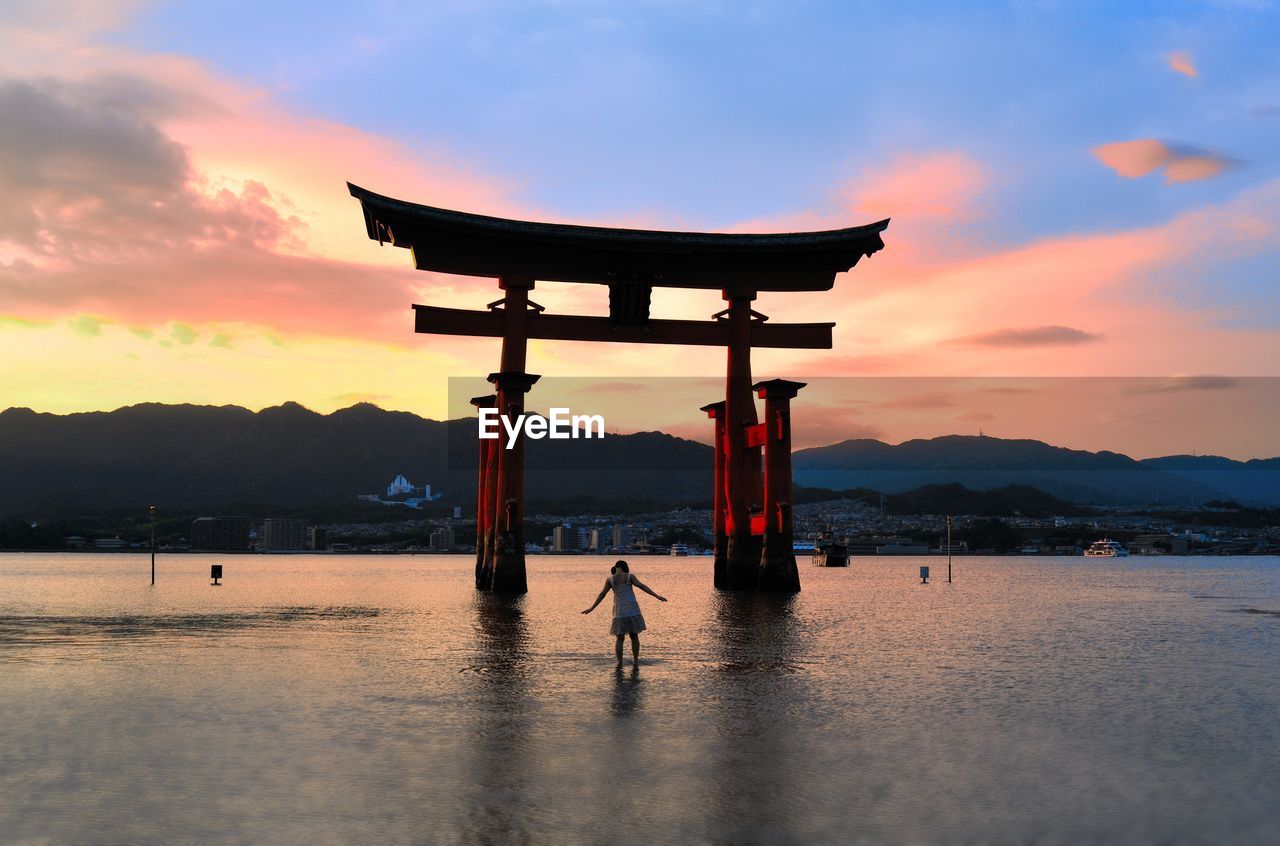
{"points": [[505, 572], [484, 486], [490, 507], [716, 412], [742, 464], [778, 572], [508, 574]]}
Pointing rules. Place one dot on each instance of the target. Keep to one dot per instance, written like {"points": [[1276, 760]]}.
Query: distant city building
{"points": [[402, 492], [284, 533], [318, 538], [567, 539], [593, 540], [626, 537], [441, 540], [109, 543], [223, 534]]}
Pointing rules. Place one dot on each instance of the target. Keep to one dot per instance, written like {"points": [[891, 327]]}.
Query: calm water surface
{"points": [[329, 699]]}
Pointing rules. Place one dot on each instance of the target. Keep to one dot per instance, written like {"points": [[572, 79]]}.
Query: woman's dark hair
{"points": [[620, 565]]}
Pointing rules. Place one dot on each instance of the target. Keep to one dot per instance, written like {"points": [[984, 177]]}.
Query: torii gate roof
{"points": [[477, 245]]}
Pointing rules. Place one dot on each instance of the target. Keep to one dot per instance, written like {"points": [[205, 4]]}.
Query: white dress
{"points": [[627, 618]]}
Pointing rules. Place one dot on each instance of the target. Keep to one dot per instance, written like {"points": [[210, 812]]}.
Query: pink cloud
{"points": [[110, 214], [902, 310], [1180, 162], [1180, 62], [943, 185], [218, 205]]}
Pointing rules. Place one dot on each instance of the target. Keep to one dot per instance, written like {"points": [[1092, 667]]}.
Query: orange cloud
{"points": [[1181, 63], [107, 213], [1181, 162], [931, 304]]}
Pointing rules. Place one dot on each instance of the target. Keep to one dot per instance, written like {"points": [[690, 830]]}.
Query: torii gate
{"points": [[752, 508]]}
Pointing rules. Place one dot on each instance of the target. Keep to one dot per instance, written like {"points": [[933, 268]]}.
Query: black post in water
{"points": [[152, 511], [948, 549]]}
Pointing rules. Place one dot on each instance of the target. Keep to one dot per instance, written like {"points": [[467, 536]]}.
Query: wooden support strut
{"points": [[778, 572], [433, 320], [742, 463], [715, 411], [486, 467], [505, 570]]}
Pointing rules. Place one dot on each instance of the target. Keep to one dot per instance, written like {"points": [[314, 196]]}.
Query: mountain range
{"points": [[207, 457]]}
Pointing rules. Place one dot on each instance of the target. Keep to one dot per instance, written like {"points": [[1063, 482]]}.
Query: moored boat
{"points": [[828, 553], [1106, 548]]}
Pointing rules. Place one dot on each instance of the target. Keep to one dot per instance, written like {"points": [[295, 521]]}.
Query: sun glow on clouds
{"points": [[169, 234], [1090, 295], [62, 368]]}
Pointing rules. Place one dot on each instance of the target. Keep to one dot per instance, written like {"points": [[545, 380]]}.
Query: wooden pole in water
{"points": [[742, 464], [152, 511], [948, 549], [720, 549], [778, 573]]}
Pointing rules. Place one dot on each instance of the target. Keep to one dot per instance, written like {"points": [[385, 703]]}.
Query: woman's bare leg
{"points": [[635, 648], [619, 648]]}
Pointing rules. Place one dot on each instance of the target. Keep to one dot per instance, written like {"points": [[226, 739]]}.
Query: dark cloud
{"points": [[1035, 336], [122, 225], [88, 175]]}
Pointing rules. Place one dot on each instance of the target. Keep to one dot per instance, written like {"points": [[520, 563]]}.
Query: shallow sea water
{"points": [[324, 699]]}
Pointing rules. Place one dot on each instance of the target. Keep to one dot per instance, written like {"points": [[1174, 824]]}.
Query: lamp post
{"points": [[151, 510], [948, 549]]}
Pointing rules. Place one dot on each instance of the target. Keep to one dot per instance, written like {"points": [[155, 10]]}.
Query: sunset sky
{"points": [[1077, 189]]}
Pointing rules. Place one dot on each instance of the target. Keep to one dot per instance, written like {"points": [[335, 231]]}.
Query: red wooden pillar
{"points": [[742, 470], [716, 412], [484, 485], [508, 574], [505, 571], [778, 573], [491, 507]]}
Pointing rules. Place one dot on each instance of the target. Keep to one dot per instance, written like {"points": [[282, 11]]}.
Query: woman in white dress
{"points": [[627, 619]]}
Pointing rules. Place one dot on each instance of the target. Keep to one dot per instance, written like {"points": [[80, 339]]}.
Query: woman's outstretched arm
{"points": [[604, 591], [645, 588]]}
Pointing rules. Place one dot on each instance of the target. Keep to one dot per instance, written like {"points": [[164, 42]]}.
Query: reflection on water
{"points": [[323, 699], [626, 691], [500, 770], [756, 677], [54, 630]]}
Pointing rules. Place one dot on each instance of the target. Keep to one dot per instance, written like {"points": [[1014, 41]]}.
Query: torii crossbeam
{"points": [[752, 506]]}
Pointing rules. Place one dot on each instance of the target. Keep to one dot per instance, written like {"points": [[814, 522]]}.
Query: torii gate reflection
{"points": [[752, 508]]}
